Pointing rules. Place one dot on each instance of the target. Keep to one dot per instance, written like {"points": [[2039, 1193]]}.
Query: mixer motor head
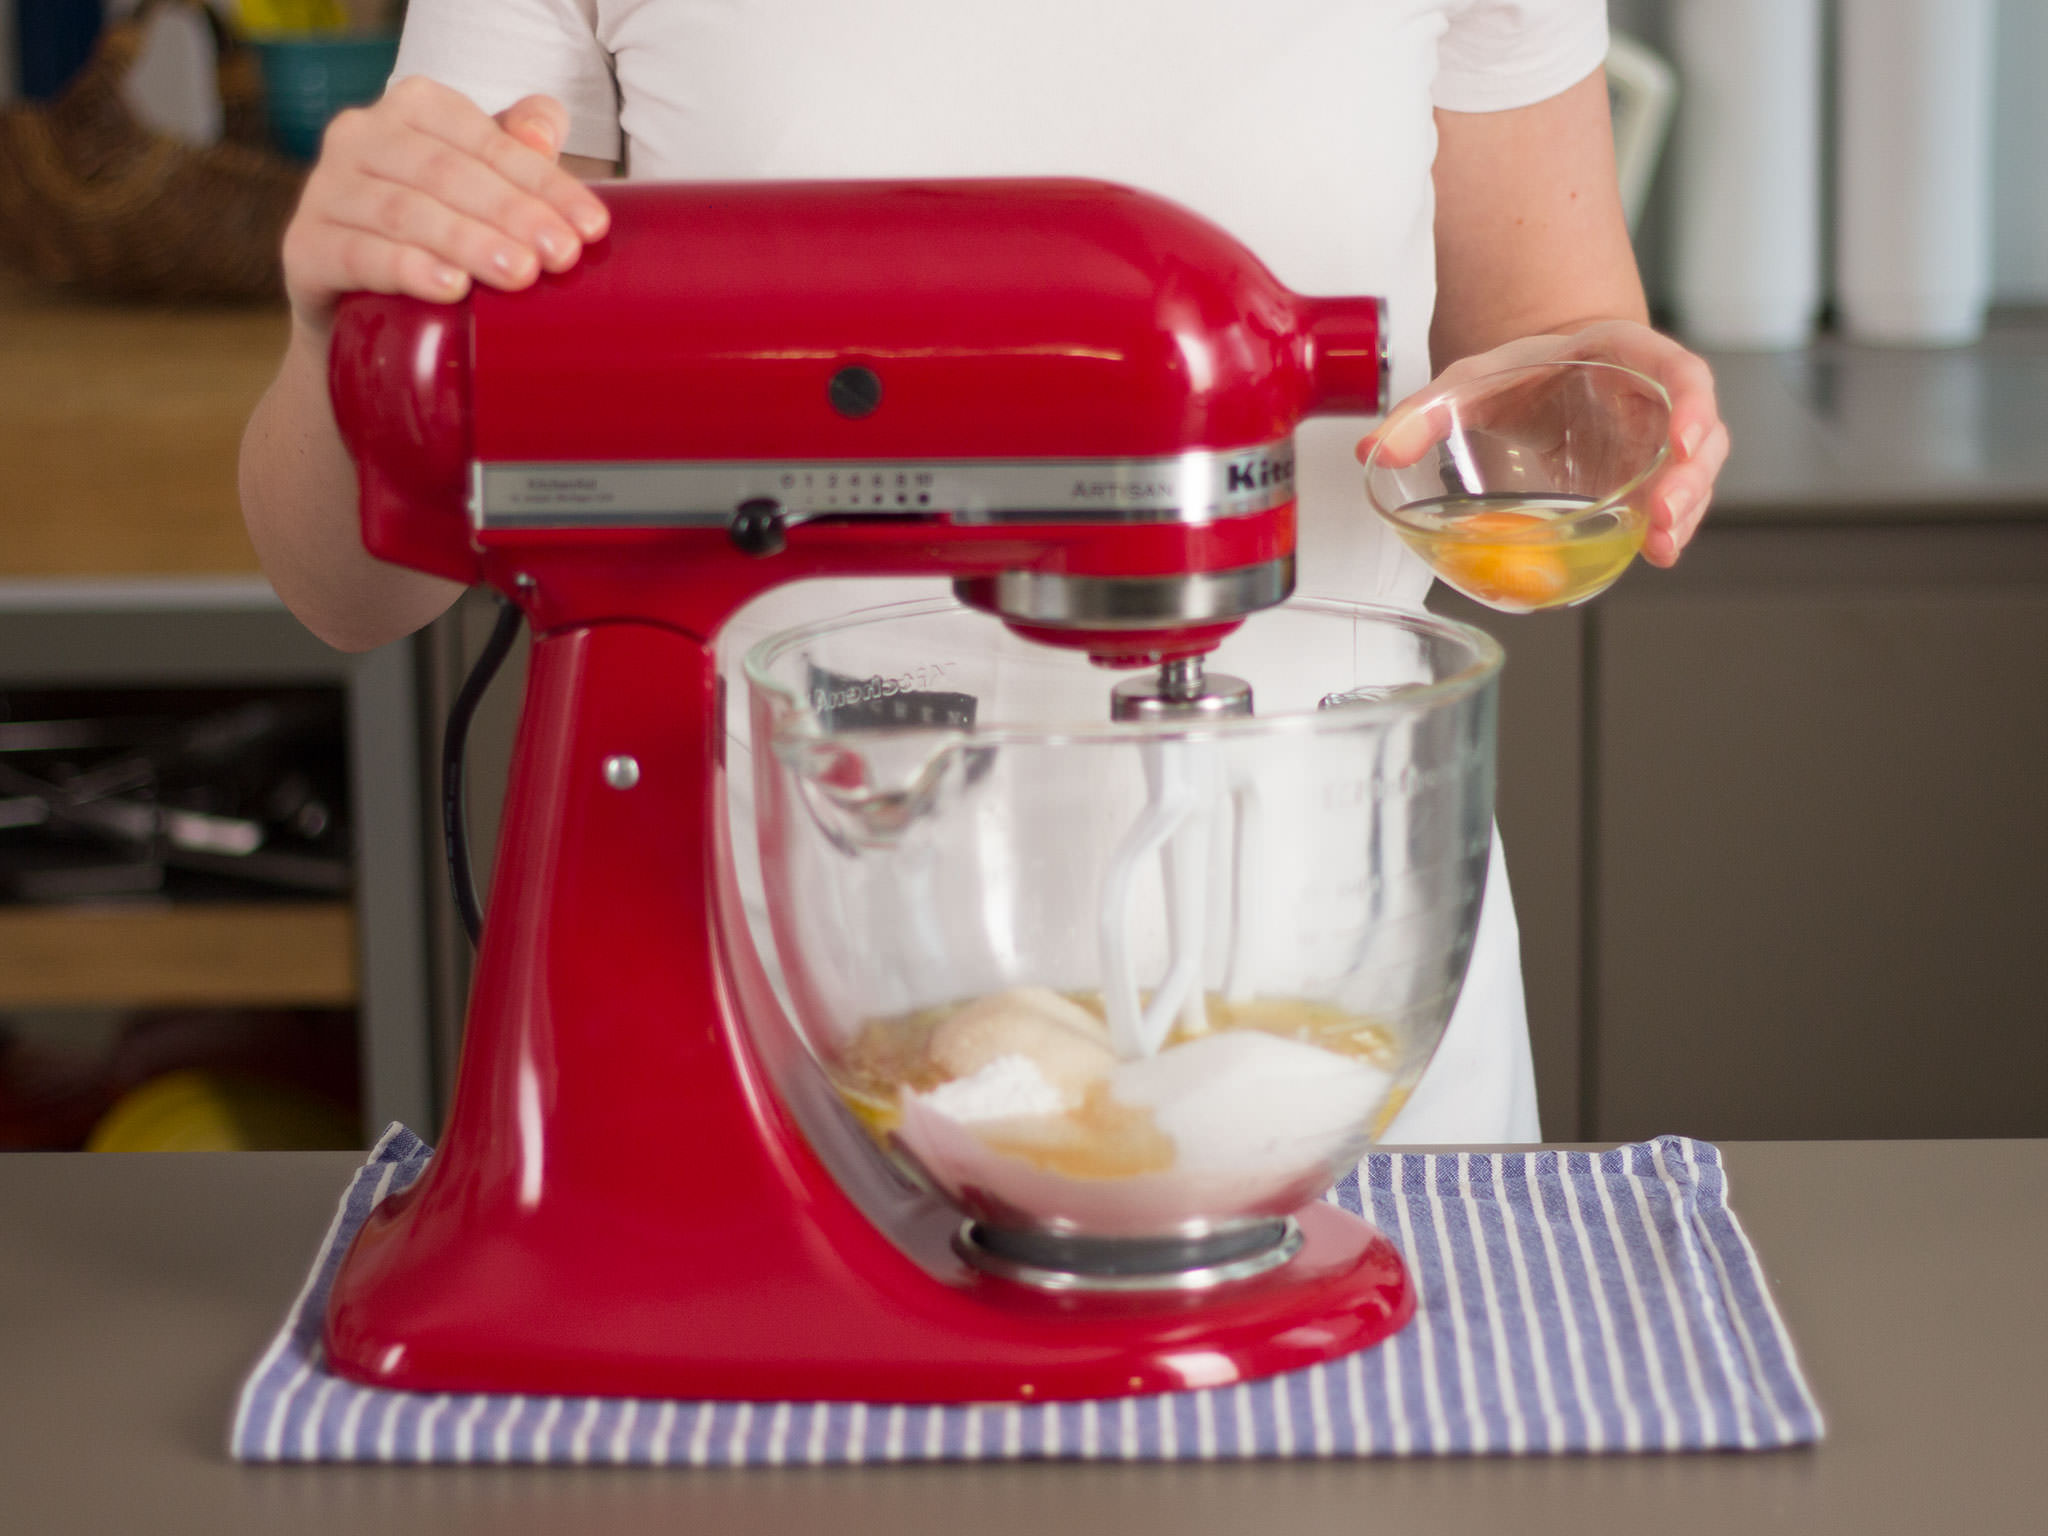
{"points": [[1074, 399]]}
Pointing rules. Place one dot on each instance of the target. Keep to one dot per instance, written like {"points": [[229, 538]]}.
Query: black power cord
{"points": [[454, 823]]}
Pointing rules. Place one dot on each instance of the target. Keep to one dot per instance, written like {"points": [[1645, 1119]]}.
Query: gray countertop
{"points": [[1851, 432], [134, 1291]]}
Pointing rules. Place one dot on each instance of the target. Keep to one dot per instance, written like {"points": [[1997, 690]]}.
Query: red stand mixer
{"points": [[1076, 401]]}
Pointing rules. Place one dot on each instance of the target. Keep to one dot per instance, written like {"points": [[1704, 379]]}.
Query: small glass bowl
{"points": [[1524, 488]]}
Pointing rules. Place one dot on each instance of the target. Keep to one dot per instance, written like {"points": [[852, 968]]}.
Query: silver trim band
{"points": [[1386, 364], [967, 1243], [1147, 697], [1130, 602], [1200, 486]]}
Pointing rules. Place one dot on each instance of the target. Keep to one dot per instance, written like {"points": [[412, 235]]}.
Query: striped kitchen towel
{"points": [[1569, 1301]]}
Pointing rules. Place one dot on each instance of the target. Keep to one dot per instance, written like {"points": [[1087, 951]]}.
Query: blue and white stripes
{"points": [[1569, 1302]]}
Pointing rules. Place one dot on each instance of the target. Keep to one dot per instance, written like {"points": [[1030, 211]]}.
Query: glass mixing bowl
{"points": [[1112, 982], [1524, 488]]}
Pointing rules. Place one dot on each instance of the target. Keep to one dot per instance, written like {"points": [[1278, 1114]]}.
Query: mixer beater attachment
{"points": [[1188, 783]]}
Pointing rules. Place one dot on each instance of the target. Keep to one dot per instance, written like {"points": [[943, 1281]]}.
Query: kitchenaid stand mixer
{"points": [[1074, 400]]}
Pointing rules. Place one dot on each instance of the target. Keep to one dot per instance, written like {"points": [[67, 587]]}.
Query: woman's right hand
{"points": [[424, 193]]}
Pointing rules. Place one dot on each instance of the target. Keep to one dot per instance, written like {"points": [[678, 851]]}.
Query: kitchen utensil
{"points": [[235, 794], [1075, 400], [1642, 91], [1914, 199], [310, 76], [1522, 488], [1746, 171], [929, 886]]}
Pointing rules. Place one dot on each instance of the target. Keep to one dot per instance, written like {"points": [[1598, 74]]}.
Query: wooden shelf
{"points": [[193, 954], [120, 426]]}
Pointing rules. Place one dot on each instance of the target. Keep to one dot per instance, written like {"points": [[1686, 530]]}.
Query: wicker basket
{"points": [[92, 199]]}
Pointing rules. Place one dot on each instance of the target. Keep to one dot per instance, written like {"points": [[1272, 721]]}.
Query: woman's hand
{"points": [[424, 193], [1679, 493]]}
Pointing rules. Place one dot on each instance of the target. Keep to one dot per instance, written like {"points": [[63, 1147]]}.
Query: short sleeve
{"points": [[1497, 54], [496, 51]]}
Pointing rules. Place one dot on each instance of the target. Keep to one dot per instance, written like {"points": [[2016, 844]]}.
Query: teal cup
{"points": [[308, 80]]}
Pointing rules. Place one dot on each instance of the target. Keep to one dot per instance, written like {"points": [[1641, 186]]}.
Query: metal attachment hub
{"points": [[1181, 690], [1048, 1262]]}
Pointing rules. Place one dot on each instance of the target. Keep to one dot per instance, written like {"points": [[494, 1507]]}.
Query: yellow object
{"points": [[189, 1111], [1526, 560], [1528, 575], [269, 18]]}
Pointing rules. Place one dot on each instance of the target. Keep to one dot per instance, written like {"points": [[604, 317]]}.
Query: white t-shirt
{"points": [[1304, 127]]}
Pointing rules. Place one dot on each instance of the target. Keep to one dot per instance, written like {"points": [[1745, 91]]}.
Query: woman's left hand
{"points": [[1679, 494]]}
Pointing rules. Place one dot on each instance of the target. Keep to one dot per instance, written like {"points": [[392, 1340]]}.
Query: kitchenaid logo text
{"points": [[1245, 476], [1259, 475], [917, 680], [561, 491]]}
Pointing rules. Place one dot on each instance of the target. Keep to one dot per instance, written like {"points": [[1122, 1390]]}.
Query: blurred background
{"points": [[212, 875], [1775, 818]]}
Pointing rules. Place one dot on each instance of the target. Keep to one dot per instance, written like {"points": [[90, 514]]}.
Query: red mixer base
{"points": [[623, 1202], [964, 1338]]}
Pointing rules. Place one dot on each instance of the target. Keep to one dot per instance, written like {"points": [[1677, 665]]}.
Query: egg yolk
{"points": [[1511, 571]]}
